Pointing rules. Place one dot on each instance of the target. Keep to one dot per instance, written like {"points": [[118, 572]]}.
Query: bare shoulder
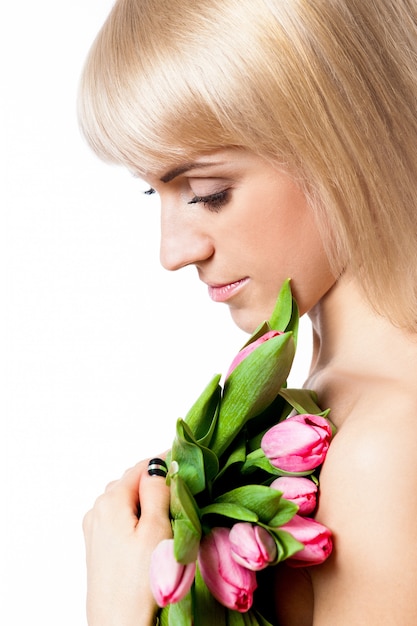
{"points": [[369, 500]]}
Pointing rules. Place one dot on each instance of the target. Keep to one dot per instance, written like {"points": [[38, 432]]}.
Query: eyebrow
{"points": [[181, 169]]}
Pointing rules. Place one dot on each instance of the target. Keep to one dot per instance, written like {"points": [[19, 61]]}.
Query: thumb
{"points": [[154, 495]]}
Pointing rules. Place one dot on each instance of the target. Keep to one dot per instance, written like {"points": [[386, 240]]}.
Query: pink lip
{"points": [[222, 293]]}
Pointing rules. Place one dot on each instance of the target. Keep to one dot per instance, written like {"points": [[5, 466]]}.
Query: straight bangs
{"points": [[326, 90], [161, 87]]}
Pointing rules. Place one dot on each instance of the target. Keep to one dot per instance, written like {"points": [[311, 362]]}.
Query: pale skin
{"points": [[254, 233]]}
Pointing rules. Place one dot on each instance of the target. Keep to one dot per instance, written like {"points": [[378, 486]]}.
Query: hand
{"points": [[119, 543]]}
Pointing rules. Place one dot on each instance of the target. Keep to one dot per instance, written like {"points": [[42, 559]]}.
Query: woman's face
{"points": [[246, 227]]}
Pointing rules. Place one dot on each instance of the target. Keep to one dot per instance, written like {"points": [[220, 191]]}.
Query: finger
{"points": [[157, 467], [153, 495], [110, 485], [132, 476], [120, 498], [126, 488]]}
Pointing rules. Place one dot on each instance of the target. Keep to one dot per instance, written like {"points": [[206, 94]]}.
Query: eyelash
{"points": [[214, 201]]}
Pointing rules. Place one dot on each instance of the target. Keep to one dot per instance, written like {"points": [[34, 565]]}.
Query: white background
{"points": [[104, 349]]}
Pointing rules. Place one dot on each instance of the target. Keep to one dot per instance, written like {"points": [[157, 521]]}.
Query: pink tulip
{"points": [[300, 491], [170, 581], [252, 546], [315, 537], [230, 583], [250, 348], [297, 444]]}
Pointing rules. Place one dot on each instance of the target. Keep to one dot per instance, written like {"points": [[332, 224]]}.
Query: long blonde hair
{"points": [[326, 88]]}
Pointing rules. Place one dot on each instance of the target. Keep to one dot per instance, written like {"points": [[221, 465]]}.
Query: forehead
{"points": [[167, 171]]}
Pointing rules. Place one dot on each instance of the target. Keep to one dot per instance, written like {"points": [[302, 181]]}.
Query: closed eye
{"points": [[149, 192], [214, 201]]}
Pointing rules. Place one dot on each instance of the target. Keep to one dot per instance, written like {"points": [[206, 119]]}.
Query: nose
{"points": [[183, 241]]}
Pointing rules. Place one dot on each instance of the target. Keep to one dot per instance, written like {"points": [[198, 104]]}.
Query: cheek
{"points": [[284, 230], [306, 262], [290, 246], [313, 282], [281, 212]]}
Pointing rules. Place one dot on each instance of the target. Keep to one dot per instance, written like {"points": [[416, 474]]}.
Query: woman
{"points": [[281, 136]]}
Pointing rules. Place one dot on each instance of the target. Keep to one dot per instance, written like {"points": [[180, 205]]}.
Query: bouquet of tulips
{"points": [[243, 477]]}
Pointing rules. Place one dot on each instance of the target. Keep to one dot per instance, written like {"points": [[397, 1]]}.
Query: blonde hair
{"points": [[327, 88]]}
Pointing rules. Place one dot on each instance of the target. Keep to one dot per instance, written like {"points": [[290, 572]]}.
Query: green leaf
{"points": [[251, 388], [258, 333], [276, 412], [294, 321], [236, 455], [286, 544], [180, 613], [207, 611], [211, 462], [285, 513], [234, 618], [186, 521], [305, 401], [284, 318], [262, 500], [302, 400], [250, 618], [262, 621], [283, 309], [186, 541], [197, 464], [199, 418], [230, 510], [189, 457], [163, 616], [257, 459], [205, 441]]}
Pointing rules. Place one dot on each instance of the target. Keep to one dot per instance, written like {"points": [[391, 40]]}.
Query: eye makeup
{"points": [[214, 201]]}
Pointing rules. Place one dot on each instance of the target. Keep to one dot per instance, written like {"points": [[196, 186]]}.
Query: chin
{"points": [[248, 321]]}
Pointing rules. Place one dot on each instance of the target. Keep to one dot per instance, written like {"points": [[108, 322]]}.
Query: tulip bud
{"points": [[297, 444], [230, 583], [250, 348], [300, 491], [170, 581], [315, 537], [252, 546]]}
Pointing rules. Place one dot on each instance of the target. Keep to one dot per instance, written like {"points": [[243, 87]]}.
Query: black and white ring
{"points": [[157, 467]]}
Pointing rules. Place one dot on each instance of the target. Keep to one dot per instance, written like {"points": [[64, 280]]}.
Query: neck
{"points": [[353, 345]]}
